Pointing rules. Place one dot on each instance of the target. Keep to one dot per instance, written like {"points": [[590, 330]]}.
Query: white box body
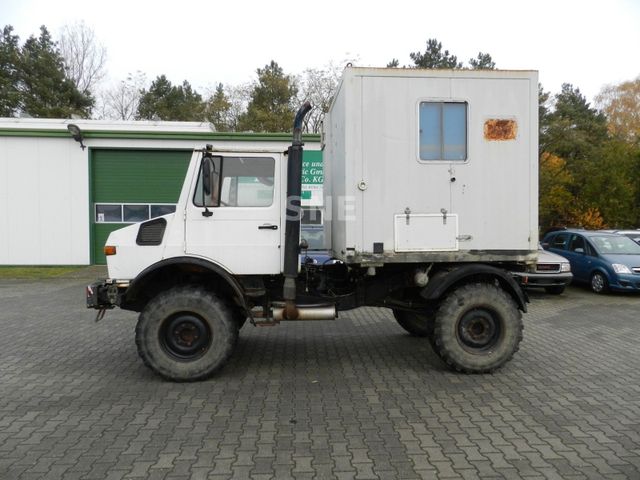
{"points": [[388, 203]]}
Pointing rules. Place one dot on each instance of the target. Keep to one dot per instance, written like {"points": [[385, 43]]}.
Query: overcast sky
{"points": [[587, 43]]}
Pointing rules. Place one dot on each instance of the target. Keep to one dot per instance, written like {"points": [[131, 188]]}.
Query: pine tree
{"points": [[270, 108], [45, 89]]}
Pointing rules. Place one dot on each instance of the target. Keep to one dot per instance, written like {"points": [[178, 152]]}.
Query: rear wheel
{"points": [[599, 283], [419, 325], [186, 334], [477, 329]]}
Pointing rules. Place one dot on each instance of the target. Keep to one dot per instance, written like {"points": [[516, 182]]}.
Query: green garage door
{"points": [[129, 186]]}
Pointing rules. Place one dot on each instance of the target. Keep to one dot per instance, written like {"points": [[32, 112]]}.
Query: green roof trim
{"points": [[228, 136]]}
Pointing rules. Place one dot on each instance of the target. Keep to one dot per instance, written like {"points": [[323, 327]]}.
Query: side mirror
{"points": [[207, 170], [545, 245]]}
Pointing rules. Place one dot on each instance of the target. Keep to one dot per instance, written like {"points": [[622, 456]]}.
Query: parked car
{"points": [[315, 252], [551, 272], [632, 234], [604, 260]]}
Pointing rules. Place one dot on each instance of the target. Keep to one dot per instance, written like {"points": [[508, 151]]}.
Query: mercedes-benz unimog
{"points": [[430, 200]]}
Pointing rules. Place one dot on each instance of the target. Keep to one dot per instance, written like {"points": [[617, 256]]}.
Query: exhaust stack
{"points": [[294, 213]]}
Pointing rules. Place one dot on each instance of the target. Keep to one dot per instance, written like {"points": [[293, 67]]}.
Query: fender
{"points": [[444, 279], [193, 264]]}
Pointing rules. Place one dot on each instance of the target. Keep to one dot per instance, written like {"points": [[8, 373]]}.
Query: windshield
{"points": [[615, 245], [635, 236]]}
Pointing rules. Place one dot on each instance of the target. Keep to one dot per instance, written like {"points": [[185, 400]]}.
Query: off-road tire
{"points": [[186, 334], [555, 290], [416, 324], [477, 328], [598, 283], [240, 317]]}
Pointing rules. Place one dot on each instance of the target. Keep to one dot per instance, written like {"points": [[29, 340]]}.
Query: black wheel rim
{"points": [[185, 336], [479, 330]]}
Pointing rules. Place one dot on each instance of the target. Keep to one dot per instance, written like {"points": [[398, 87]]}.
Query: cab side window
{"points": [[237, 182]]}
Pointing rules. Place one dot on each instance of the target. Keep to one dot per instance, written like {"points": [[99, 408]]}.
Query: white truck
{"points": [[430, 200]]}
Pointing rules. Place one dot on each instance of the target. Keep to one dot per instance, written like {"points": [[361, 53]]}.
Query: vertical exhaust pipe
{"points": [[294, 213]]}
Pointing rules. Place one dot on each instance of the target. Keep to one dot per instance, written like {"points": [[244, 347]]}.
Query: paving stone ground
{"points": [[355, 398]]}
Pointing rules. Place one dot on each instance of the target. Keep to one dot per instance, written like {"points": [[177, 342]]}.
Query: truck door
{"points": [[240, 228]]}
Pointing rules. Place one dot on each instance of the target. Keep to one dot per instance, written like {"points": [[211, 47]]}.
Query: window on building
{"points": [[108, 213], [443, 131], [130, 212], [135, 213]]}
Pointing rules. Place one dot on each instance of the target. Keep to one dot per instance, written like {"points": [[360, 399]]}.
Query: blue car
{"points": [[604, 260]]}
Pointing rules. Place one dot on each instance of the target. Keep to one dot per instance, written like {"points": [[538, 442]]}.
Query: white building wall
{"points": [[44, 211]]}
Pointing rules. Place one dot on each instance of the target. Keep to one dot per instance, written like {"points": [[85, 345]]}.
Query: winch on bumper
{"points": [[102, 295]]}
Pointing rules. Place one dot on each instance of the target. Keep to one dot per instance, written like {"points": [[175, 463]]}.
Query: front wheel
{"points": [[419, 325], [599, 283], [186, 334], [478, 328]]}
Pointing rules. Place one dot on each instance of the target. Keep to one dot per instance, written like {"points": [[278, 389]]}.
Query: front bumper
{"points": [[625, 282], [102, 294], [529, 279]]}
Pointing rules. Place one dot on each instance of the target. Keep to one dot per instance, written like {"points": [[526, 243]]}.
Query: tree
{"points": [[121, 101], [9, 72], [271, 107], [597, 174], [574, 131], [217, 109], [239, 97], [611, 184], [45, 89], [482, 62], [434, 57], [621, 104], [318, 86], [394, 63], [83, 56], [164, 101], [556, 199], [543, 112]]}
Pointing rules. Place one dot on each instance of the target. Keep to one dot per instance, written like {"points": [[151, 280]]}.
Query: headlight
{"points": [[565, 267], [619, 268]]}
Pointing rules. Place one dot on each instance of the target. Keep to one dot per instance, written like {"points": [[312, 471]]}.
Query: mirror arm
{"points": [[207, 212]]}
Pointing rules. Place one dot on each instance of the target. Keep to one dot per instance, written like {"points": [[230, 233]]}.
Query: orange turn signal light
{"points": [[109, 250]]}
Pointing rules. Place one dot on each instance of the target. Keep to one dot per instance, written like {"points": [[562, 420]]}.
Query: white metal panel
{"points": [[493, 192], [130, 258], [426, 233], [232, 236], [395, 179], [44, 206], [4, 202]]}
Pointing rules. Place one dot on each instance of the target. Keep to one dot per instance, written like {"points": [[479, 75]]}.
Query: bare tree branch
{"points": [[120, 102], [84, 56], [319, 86]]}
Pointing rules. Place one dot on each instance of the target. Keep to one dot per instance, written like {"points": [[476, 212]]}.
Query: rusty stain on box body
{"points": [[500, 130]]}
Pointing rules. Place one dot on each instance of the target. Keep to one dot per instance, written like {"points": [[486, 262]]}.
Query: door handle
{"points": [[268, 227]]}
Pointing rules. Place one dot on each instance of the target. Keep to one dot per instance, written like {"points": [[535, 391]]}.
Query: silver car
{"points": [[552, 272]]}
